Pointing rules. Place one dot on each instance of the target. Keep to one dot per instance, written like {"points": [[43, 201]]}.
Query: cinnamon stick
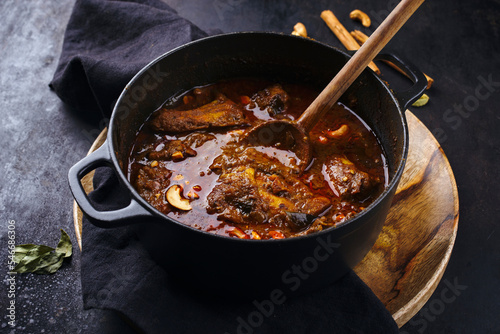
{"points": [[343, 35], [362, 38], [359, 36]]}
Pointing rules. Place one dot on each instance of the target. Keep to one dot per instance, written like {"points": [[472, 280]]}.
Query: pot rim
{"points": [[347, 226]]}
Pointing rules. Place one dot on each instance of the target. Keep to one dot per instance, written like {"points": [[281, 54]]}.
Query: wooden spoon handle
{"points": [[353, 68]]}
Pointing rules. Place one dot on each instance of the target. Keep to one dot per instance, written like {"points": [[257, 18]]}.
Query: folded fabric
{"points": [[106, 43], [118, 274]]}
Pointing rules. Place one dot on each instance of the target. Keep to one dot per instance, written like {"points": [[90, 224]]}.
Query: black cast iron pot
{"points": [[238, 266]]}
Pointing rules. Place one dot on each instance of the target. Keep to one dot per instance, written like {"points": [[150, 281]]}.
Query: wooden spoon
{"points": [[293, 135]]}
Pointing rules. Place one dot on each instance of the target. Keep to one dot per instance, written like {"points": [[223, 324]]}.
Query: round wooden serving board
{"points": [[408, 259]]}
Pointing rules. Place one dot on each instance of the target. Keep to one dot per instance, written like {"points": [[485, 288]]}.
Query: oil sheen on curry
{"points": [[190, 163]]}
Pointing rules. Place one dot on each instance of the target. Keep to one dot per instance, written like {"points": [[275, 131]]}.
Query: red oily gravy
{"points": [[190, 145]]}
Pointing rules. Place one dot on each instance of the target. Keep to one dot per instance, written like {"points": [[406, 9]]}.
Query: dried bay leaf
{"points": [[30, 260], [49, 264], [22, 250], [41, 259], [64, 246], [422, 101]]}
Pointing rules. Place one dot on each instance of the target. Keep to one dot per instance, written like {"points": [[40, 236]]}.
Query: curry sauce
{"points": [[189, 163]]}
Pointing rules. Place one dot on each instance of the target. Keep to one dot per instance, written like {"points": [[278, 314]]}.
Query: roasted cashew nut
{"points": [[175, 199], [299, 30], [361, 16], [340, 132]]}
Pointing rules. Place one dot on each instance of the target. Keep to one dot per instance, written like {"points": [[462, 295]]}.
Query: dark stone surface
{"points": [[456, 43]]}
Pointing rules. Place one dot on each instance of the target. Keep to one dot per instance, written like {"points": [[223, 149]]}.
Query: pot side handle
{"points": [[107, 219], [412, 94]]}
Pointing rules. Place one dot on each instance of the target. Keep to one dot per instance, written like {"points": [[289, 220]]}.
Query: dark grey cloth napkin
{"points": [[106, 43]]}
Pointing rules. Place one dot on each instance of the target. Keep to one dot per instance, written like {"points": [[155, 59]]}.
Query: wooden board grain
{"points": [[408, 259], [413, 249]]}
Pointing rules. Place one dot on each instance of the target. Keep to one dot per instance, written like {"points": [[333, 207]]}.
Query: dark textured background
{"points": [[457, 43]]}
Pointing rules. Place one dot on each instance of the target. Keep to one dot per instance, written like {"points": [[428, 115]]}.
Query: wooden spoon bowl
{"points": [[282, 138]]}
